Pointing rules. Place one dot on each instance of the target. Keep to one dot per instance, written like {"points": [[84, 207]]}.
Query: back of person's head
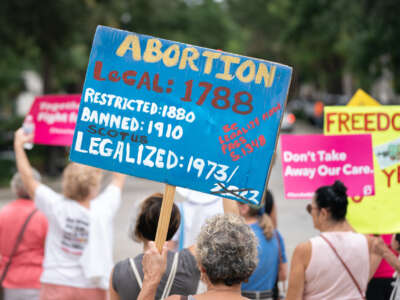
{"points": [[18, 187], [227, 249], [334, 199], [80, 181], [147, 220], [396, 246], [264, 220], [268, 202]]}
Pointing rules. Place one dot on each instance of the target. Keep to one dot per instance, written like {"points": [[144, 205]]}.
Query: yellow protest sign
{"points": [[361, 98], [379, 213]]}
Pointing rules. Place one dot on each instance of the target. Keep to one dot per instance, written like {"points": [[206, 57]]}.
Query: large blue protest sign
{"points": [[180, 114]]}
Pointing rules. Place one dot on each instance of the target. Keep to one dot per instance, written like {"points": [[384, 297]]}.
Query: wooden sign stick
{"points": [[165, 216]]}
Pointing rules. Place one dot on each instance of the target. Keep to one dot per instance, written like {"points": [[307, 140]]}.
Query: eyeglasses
{"points": [[309, 208]]}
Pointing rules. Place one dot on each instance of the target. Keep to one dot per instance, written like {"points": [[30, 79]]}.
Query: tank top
{"points": [[326, 278], [189, 297], [185, 282]]}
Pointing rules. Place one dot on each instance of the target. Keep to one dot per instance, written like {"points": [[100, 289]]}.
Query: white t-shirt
{"points": [[196, 208], [78, 249]]}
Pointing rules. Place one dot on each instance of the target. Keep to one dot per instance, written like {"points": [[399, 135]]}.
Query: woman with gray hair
{"points": [[21, 250], [226, 252]]}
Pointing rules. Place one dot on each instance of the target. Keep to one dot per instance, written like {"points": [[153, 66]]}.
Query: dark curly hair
{"points": [[147, 220], [334, 199]]}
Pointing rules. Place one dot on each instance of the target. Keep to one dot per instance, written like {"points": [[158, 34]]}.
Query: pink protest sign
{"points": [[55, 117], [310, 161]]}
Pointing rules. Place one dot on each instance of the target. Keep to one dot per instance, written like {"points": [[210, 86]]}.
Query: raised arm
{"points": [[300, 260], [23, 165], [118, 179], [379, 250]]}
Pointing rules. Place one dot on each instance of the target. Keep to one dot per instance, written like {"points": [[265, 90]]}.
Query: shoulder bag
{"points": [[17, 243], [278, 293]]}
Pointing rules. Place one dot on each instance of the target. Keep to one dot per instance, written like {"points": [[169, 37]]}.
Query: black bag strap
{"points": [[17, 242], [279, 247], [275, 289]]}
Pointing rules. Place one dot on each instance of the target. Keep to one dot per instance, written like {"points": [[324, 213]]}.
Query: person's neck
{"points": [[145, 245], [336, 226], [222, 288], [250, 220], [85, 203], [26, 199]]}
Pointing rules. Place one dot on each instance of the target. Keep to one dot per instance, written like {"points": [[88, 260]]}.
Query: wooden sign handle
{"points": [[165, 216]]}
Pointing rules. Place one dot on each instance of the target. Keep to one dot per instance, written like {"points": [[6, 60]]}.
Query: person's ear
{"points": [[324, 213], [202, 270], [203, 274]]}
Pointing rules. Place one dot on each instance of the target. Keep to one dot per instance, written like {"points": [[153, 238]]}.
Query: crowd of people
{"points": [[58, 246]]}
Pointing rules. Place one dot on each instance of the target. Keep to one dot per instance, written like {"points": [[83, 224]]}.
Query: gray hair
{"points": [[18, 187], [227, 249]]}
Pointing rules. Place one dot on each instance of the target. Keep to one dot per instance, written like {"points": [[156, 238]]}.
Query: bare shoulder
{"points": [[302, 253], [192, 250], [173, 297], [303, 248], [372, 241]]}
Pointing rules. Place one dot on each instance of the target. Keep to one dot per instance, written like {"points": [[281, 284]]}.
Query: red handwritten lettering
{"points": [[156, 87], [380, 116], [113, 76], [368, 121], [126, 75], [354, 121], [343, 119], [396, 115], [97, 71], [388, 176], [357, 199], [329, 121]]}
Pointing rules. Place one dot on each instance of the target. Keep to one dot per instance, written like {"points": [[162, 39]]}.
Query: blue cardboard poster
{"points": [[180, 114]]}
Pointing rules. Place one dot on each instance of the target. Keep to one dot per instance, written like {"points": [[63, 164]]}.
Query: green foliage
{"points": [[322, 39], [54, 37], [8, 168]]}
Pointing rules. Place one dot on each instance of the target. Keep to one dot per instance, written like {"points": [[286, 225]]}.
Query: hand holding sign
{"points": [[21, 138]]}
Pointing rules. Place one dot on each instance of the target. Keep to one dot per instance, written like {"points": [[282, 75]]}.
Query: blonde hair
{"points": [[264, 220], [80, 180], [266, 225]]}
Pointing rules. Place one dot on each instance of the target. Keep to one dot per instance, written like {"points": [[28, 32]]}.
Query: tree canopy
{"points": [[321, 39]]}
